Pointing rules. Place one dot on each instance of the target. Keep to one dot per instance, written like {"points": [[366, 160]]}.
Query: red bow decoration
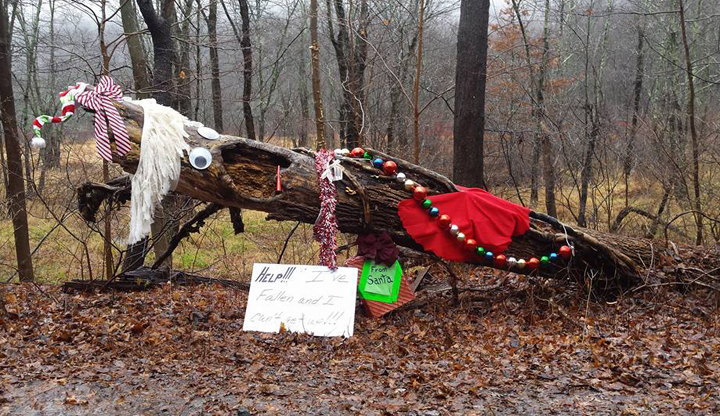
{"points": [[378, 247], [101, 100]]}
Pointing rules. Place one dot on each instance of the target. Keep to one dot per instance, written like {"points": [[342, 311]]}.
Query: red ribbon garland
{"points": [[101, 100], [325, 228]]}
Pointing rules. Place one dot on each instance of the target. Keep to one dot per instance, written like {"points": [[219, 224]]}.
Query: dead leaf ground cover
{"points": [[519, 349]]}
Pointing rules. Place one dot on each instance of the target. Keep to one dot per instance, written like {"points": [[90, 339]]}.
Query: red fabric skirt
{"points": [[480, 215]]}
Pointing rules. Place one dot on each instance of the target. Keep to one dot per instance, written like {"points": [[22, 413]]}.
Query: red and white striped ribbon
{"points": [[100, 99]]}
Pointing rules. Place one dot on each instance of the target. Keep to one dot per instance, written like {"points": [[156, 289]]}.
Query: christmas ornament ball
{"points": [[389, 167], [533, 263], [419, 193], [500, 260], [444, 221], [565, 252], [357, 152], [470, 244]]}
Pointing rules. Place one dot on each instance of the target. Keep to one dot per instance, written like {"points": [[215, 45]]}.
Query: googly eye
{"points": [[200, 158], [208, 133]]}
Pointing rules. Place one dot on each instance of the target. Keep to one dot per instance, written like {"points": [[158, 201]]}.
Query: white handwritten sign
{"points": [[311, 299]]}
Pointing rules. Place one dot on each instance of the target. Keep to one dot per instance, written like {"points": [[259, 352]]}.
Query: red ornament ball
{"points": [[419, 193], [357, 152], [565, 252], [500, 261], [470, 244], [444, 221], [390, 167], [533, 263]]}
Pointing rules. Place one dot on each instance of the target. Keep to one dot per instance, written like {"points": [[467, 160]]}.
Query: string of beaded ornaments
{"points": [[419, 193]]}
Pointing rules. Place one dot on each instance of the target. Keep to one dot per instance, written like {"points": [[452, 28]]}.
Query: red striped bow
{"points": [[100, 99]]}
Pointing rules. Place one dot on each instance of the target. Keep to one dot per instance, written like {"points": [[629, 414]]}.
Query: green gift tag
{"points": [[379, 282]]}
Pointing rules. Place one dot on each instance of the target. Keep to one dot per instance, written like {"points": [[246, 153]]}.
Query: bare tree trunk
{"points": [[592, 116], [547, 153], [470, 77], [397, 139], [693, 130], [135, 253], [16, 186], [160, 27], [303, 95], [163, 49], [317, 92], [215, 67], [183, 83], [637, 95], [247, 70], [535, 163], [350, 47], [138, 60], [416, 84]]}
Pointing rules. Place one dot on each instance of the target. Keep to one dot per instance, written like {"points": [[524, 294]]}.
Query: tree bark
{"points": [[247, 70], [138, 60], [350, 47], [160, 27], [693, 130], [183, 81], [215, 67], [304, 97], [637, 95], [243, 171], [163, 49], [416, 83], [16, 184], [316, 91], [243, 36], [470, 77]]}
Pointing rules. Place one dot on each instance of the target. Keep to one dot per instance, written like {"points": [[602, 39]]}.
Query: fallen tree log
{"points": [[146, 278], [243, 175]]}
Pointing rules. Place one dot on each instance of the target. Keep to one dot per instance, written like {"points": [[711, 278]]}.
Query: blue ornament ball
{"points": [[553, 256], [378, 163], [489, 256], [434, 212]]}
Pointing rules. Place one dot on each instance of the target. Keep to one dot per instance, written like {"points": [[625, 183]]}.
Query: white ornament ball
{"points": [[454, 229], [38, 143], [521, 264], [409, 185], [338, 152], [345, 152], [460, 237], [400, 177], [512, 262]]}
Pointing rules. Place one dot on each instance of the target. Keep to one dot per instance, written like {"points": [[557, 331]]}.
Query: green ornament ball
{"points": [[427, 204], [480, 251], [544, 259], [367, 156]]}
